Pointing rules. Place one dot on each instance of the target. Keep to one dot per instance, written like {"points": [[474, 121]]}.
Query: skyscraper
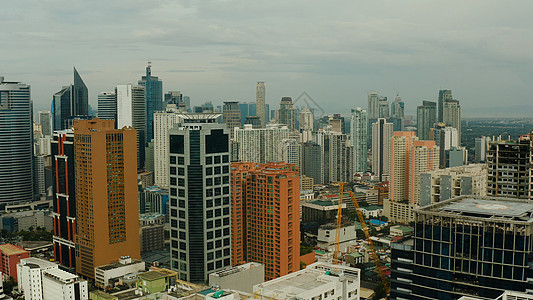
{"points": [[64, 198], [426, 118], [336, 156], [107, 217], [266, 203], [306, 125], [164, 121], [231, 115], [424, 157], [359, 137], [260, 145], [107, 106], [398, 108], [199, 197], [286, 113], [451, 116], [153, 89], [260, 102], [444, 95], [289, 151], [400, 155], [131, 111], [16, 138], [45, 119], [373, 105], [383, 107], [311, 164], [481, 148], [381, 139], [69, 103], [446, 139]]}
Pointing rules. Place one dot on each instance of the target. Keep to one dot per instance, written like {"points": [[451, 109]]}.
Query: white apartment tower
{"points": [[289, 152], [260, 102], [452, 116], [259, 145], [163, 122], [359, 137], [306, 125]]}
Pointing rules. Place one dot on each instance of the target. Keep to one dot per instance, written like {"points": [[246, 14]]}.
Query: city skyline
{"points": [[335, 53]]}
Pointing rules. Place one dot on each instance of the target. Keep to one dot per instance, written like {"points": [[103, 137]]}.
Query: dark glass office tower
{"points": [[199, 197], [69, 103], [312, 162], [426, 118], [153, 98], [16, 143], [64, 198], [444, 95]]}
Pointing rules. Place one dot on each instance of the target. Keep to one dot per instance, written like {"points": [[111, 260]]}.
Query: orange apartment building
{"points": [[106, 194], [10, 256], [266, 216]]}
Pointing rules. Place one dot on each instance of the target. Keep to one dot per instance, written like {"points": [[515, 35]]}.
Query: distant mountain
{"points": [[510, 111]]}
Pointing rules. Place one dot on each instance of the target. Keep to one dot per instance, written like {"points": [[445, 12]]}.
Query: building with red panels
{"points": [[11, 255], [266, 216]]}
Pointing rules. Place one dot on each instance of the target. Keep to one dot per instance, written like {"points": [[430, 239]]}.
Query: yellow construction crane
{"points": [[338, 223], [375, 255]]}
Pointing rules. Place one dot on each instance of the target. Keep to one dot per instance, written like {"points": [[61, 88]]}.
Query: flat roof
{"points": [[41, 263], [298, 284], [152, 275], [484, 207], [9, 249]]}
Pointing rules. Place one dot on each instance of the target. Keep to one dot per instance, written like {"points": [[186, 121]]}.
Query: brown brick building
{"points": [[106, 194]]}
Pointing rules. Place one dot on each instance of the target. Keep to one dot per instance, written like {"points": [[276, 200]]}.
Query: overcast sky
{"points": [[334, 50]]}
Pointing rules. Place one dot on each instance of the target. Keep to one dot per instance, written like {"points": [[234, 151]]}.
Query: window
{"points": [[209, 182], [177, 144], [225, 169], [182, 225], [181, 171], [173, 160], [209, 224], [182, 214], [181, 160], [172, 180], [217, 170], [225, 158], [181, 182], [208, 171], [217, 159], [181, 203], [208, 160], [172, 170], [209, 214]]}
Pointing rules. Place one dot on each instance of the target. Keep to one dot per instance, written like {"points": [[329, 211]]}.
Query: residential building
{"points": [[481, 148], [426, 118], [107, 105], [70, 103], [16, 149], [306, 120], [263, 213], [260, 145], [30, 274], [336, 156], [373, 105], [10, 257], [131, 112], [465, 246], [155, 200], [398, 108], [153, 99], [400, 152], [306, 183], [152, 232], [289, 151], [286, 113], [424, 157], [336, 122], [383, 107], [444, 96], [164, 121], [316, 281], [510, 168], [443, 184], [107, 218], [107, 275], [199, 196], [45, 119], [446, 139], [311, 161], [231, 115], [240, 278], [59, 284], [64, 198], [381, 138], [451, 116], [359, 137], [261, 110]]}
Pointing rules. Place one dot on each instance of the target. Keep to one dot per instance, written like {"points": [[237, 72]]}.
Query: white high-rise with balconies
{"points": [[306, 125], [163, 122], [259, 145], [359, 137]]}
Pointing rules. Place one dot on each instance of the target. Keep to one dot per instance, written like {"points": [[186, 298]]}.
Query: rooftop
{"points": [[117, 264], [34, 262], [483, 207], [61, 275], [9, 249], [151, 275]]}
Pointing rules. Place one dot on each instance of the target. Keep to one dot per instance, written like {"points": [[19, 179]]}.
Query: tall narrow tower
{"points": [[260, 102], [359, 137], [153, 95], [306, 125], [381, 138], [107, 209]]}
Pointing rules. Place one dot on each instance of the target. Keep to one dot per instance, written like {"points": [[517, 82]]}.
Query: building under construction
{"points": [[466, 246], [510, 163]]}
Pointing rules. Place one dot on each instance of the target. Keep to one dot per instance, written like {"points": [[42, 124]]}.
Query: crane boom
{"points": [[338, 225], [375, 255]]}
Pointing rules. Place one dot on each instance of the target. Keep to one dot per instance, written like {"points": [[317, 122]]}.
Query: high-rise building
{"points": [[45, 119], [107, 106], [255, 121], [153, 99], [16, 138], [373, 105], [174, 97], [443, 184], [131, 112], [381, 138], [469, 246], [289, 151], [107, 214], [286, 113], [446, 139], [199, 197], [481, 148], [444, 95], [359, 137], [306, 125], [401, 144], [510, 169], [336, 156], [262, 214], [311, 162], [424, 157], [398, 108], [64, 198], [261, 111], [426, 118], [70, 103], [163, 122], [451, 116], [231, 115], [383, 107], [260, 145]]}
